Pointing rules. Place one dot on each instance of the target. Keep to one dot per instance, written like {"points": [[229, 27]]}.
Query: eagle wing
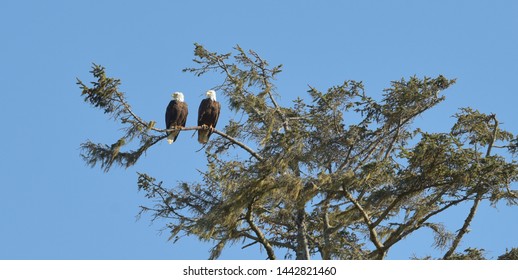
{"points": [[175, 115], [216, 110], [171, 113], [202, 112], [183, 111], [208, 113]]}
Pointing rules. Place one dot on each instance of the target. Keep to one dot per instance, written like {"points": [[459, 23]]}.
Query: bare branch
{"points": [[272, 242], [493, 136], [260, 236], [222, 134], [464, 229], [121, 99], [372, 230], [415, 223]]}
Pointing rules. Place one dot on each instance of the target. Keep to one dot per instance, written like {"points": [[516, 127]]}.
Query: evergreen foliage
{"points": [[510, 255], [469, 254], [303, 180]]}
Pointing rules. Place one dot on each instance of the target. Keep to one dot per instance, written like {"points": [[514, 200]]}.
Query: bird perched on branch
{"points": [[175, 115], [208, 114]]}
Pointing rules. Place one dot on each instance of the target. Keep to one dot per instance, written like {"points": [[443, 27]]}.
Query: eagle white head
{"points": [[178, 96], [211, 94]]}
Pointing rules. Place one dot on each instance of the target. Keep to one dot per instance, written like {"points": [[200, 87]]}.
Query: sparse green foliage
{"points": [[510, 255], [469, 254], [304, 180], [104, 94]]}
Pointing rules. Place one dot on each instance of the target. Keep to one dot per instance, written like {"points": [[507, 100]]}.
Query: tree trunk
{"points": [[302, 252]]}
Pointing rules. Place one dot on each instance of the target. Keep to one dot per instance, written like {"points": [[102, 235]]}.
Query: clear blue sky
{"points": [[52, 206]]}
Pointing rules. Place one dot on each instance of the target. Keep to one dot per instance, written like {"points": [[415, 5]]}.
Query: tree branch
{"points": [[222, 134], [465, 226], [372, 230], [260, 236], [272, 242], [480, 194], [407, 228], [268, 89], [493, 136], [394, 139], [120, 98]]}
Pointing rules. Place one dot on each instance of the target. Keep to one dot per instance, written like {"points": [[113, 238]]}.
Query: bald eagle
{"points": [[208, 114], [175, 115]]}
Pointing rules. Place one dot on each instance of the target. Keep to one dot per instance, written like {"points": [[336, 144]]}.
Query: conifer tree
{"points": [[302, 180]]}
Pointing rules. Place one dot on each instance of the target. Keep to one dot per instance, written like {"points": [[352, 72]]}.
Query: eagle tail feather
{"points": [[203, 136], [172, 137]]}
